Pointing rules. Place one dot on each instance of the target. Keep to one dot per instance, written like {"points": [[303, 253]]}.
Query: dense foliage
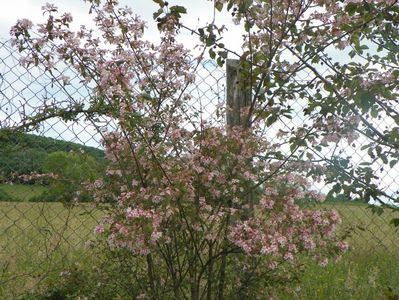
{"points": [[4, 196], [70, 170], [22, 153]]}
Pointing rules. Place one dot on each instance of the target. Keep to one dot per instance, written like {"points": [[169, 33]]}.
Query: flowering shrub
{"points": [[203, 212], [189, 210]]}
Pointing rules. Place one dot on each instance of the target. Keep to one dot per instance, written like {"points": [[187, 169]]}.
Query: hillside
{"points": [[25, 153]]}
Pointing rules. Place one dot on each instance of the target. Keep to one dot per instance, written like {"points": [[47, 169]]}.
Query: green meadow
{"points": [[21, 192], [40, 240], [369, 270]]}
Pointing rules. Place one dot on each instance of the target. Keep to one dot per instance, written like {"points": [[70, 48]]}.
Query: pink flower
{"points": [[49, 7], [272, 265], [288, 256], [25, 24], [267, 203], [155, 236], [323, 261], [343, 246], [99, 229]]}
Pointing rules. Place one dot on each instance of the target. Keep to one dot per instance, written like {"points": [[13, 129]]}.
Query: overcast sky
{"points": [[199, 13]]}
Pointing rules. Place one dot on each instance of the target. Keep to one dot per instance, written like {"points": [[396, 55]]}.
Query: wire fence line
{"points": [[37, 238]]}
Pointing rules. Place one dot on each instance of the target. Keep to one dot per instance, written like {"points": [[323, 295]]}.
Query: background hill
{"points": [[24, 153]]}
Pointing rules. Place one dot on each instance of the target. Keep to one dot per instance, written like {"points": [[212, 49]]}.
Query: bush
{"points": [[107, 277], [71, 171], [4, 196]]}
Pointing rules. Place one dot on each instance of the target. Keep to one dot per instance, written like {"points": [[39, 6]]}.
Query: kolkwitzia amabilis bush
{"points": [[192, 207], [187, 210]]}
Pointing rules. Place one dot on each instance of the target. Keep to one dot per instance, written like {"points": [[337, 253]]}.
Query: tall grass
{"points": [[39, 240], [367, 270], [359, 275]]}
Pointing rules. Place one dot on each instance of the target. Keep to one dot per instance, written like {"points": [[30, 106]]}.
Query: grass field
{"points": [[22, 192], [370, 267], [39, 240]]}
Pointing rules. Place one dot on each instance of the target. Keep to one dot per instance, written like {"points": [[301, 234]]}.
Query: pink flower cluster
{"points": [[281, 230], [207, 181]]}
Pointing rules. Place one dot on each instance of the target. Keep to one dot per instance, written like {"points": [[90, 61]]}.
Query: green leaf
{"points": [[247, 26], [201, 31], [392, 163], [212, 53], [220, 61], [156, 14], [178, 9], [351, 8], [346, 27], [374, 113], [376, 209], [328, 87], [365, 100], [244, 6], [365, 147], [271, 119], [210, 40], [223, 54], [219, 6], [318, 96], [161, 3], [395, 222]]}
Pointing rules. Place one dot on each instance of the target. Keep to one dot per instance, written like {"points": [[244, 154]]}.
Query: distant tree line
{"points": [[22, 153], [72, 165]]}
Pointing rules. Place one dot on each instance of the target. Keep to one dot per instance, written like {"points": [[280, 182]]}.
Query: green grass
{"points": [[359, 275], [367, 270], [369, 231], [22, 192], [39, 240]]}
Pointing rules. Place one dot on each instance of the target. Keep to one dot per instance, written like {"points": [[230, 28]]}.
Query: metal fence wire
{"points": [[39, 238]]}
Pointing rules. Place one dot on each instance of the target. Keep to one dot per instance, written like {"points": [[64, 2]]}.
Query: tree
{"points": [[71, 170], [342, 100], [22, 153]]}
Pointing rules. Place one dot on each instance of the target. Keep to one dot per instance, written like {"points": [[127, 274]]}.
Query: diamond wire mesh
{"points": [[38, 238]]}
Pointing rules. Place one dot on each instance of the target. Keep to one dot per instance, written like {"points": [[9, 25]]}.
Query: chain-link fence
{"points": [[39, 238]]}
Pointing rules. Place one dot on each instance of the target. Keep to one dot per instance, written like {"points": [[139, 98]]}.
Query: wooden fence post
{"points": [[238, 94]]}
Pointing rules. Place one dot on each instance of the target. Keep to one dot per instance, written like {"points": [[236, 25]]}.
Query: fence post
{"points": [[238, 94]]}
